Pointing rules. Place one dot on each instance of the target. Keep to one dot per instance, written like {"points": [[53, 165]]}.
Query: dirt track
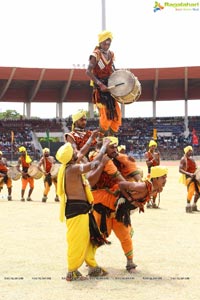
{"points": [[166, 241]]}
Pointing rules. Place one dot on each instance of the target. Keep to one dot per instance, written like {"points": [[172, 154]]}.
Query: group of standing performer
{"points": [[24, 163]]}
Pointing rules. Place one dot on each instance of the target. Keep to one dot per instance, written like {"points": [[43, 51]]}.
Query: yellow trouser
{"points": [[80, 248]]}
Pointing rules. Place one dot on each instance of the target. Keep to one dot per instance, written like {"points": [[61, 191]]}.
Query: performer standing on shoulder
{"points": [[100, 67]]}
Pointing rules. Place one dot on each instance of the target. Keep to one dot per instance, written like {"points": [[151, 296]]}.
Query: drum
{"points": [[13, 173], [54, 170], [197, 175], [34, 172], [124, 86]]}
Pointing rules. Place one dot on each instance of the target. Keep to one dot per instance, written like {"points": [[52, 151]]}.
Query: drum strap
{"points": [[113, 67], [107, 100]]}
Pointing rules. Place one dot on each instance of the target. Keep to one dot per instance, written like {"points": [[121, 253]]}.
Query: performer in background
{"points": [[152, 158], [121, 149], [46, 164], [101, 66], [4, 179], [187, 168], [23, 164]]}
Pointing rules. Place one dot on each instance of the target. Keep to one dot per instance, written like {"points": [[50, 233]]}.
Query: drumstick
{"points": [[113, 86]]}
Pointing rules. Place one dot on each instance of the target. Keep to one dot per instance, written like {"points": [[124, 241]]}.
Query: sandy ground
{"points": [[33, 251]]}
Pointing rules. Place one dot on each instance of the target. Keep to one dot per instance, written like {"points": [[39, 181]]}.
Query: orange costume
{"points": [[4, 179], [48, 162], [26, 179], [105, 194], [48, 180], [192, 186], [25, 162], [109, 109], [127, 167], [80, 137], [152, 160], [189, 177]]}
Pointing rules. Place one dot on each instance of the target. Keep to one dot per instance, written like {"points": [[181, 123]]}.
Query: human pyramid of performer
{"points": [[96, 181], [98, 185]]}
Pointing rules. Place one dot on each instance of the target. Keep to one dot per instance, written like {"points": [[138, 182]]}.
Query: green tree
{"points": [[10, 114]]}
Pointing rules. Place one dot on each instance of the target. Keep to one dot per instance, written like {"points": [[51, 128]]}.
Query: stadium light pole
{"points": [[103, 14], [103, 27], [103, 24]]}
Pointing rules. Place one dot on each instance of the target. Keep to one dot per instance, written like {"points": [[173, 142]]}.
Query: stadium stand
{"points": [[135, 133]]}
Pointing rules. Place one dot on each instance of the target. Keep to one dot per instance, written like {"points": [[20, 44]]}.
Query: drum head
{"points": [[121, 76], [34, 172], [13, 173], [197, 175], [54, 170]]}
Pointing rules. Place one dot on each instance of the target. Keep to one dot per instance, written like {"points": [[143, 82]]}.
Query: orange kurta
{"points": [[109, 109], [105, 193]]}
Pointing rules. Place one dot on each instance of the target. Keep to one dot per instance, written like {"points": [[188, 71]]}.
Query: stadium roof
{"points": [[72, 85]]}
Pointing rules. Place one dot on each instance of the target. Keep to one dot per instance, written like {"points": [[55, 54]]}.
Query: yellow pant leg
{"points": [[78, 240], [90, 256]]}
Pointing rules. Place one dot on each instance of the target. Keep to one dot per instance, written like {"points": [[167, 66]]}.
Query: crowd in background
{"points": [[135, 133]]}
